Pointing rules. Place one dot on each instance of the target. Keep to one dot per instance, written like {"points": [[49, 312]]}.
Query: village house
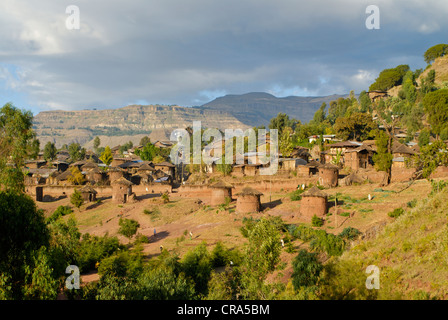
{"points": [[220, 191], [166, 167], [88, 193], [121, 190], [328, 175], [360, 157], [248, 200], [314, 202]]}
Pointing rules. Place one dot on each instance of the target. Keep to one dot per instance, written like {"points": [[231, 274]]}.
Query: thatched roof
{"points": [[122, 181], [364, 147], [145, 167], [87, 189], [344, 144], [248, 191], [64, 175], [164, 164], [314, 164], [221, 184], [314, 192], [89, 165], [329, 166], [401, 148]]}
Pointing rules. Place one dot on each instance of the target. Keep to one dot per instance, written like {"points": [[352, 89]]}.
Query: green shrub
{"points": [[412, 203], [59, 212], [306, 269], [296, 195], [349, 233], [128, 227], [93, 249], [316, 221], [165, 197], [396, 213]]}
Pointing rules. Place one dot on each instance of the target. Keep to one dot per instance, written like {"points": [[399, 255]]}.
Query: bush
{"points": [[93, 249], [306, 269], [316, 221], [412, 203], [296, 195], [396, 213], [165, 197], [59, 212], [128, 227], [349, 233]]}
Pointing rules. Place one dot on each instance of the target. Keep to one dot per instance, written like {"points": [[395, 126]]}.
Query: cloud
{"points": [[185, 52]]}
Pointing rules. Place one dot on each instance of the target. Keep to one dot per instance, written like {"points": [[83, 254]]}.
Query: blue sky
{"points": [[188, 52]]}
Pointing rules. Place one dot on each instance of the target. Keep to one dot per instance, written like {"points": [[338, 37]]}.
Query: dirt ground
{"points": [[169, 224]]}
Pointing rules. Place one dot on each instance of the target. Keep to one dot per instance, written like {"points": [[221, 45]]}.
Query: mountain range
{"points": [[131, 123]]}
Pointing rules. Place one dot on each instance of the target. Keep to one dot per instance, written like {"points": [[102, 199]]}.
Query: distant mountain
{"points": [[257, 108], [131, 123], [117, 126]]}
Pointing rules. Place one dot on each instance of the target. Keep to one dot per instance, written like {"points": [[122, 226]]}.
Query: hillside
{"points": [[117, 126], [258, 108], [440, 65], [411, 254]]}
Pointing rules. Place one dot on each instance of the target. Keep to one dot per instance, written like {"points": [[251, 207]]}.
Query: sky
{"points": [[188, 52]]}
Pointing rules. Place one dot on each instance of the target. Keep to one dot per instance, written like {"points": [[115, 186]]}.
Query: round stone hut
{"points": [[314, 202], [115, 173], [328, 175], [219, 192], [88, 193], [248, 200], [121, 190]]}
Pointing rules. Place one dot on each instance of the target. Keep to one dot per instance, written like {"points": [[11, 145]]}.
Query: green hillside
{"points": [[411, 254]]}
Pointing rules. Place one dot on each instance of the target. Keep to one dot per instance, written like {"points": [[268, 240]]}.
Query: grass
{"points": [[411, 258]]}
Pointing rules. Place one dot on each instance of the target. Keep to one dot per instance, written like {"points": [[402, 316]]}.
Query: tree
{"points": [[106, 156], [76, 152], [357, 126], [148, 153], [423, 138], [76, 199], [306, 269], [197, 265], [76, 176], [435, 52], [23, 231], [282, 121], [50, 151], [436, 107], [285, 143], [144, 141], [389, 78], [96, 143], [263, 252], [128, 227], [224, 168], [430, 157], [383, 157], [126, 147], [319, 116], [17, 143]]}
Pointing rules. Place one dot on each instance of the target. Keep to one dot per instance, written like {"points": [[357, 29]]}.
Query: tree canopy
{"points": [[389, 78], [435, 52]]}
